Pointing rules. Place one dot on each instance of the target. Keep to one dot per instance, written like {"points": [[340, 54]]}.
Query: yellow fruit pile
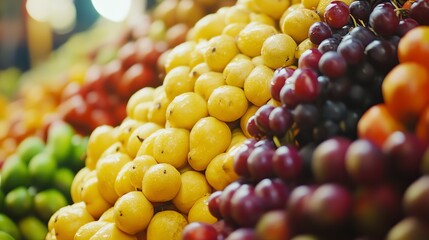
{"points": [[151, 175]]}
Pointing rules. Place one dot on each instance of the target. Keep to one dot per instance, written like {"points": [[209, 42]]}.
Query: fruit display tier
{"points": [[272, 120]]}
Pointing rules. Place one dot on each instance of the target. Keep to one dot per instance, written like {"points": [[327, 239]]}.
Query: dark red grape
{"points": [[363, 34], [306, 84], [319, 31], [306, 115], [225, 201], [213, 204], [383, 19], [337, 14], [332, 64], [243, 234], [260, 163], [253, 129], [419, 11], [274, 193], [288, 96], [280, 121], [325, 130], [298, 209], [329, 44], [266, 144], [329, 160], [365, 162], [310, 59], [278, 81], [287, 163], [406, 25], [360, 10], [262, 117], [199, 231], [382, 54], [352, 50], [240, 161], [246, 206], [340, 88]]}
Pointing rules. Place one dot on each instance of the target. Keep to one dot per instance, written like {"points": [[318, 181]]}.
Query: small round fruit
{"points": [[186, 109], [227, 103], [161, 182], [166, 224], [414, 46]]}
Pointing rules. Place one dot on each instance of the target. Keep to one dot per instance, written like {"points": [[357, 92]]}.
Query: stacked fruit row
{"points": [[35, 181]]}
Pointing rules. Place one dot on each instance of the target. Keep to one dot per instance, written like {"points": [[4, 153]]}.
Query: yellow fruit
{"points": [[111, 232], [140, 165], [290, 9], [199, 212], [207, 27], [189, 12], [178, 81], [179, 55], [199, 69], [123, 180], [257, 85], [208, 138], [141, 111], [236, 14], [139, 135], [67, 220], [161, 182], [236, 72], [251, 38], [310, 4], [108, 215], [228, 164], [157, 109], [116, 147], [125, 129], [233, 29], [88, 230], [185, 110], [166, 224], [100, 139], [297, 23], [237, 139], [147, 146], [258, 60], [171, 146], [227, 103], [207, 82], [215, 174], [219, 52], [107, 169], [194, 186], [197, 55], [303, 46], [133, 212], [75, 190], [96, 205], [262, 18], [278, 51], [143, 95], [273, 8]]}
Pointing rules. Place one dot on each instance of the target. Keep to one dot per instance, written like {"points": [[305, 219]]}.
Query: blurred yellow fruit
{"points": [[200, 212], [166, 224], [111, 232], [67, 220], [88, 230], [75, 190], [100, 139], [96, 205], [161, 182]]}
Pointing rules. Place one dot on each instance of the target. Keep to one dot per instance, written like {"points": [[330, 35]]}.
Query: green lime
{"points": [[29, 147], [1, 200], [47, 202], [32, 228], [42, 168], [18, 202], [63, 180], [8, 226], [79, 145], [5, 236], [59, 140], [14, 174]]}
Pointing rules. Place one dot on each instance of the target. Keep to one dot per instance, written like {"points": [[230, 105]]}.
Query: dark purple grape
{"points": [[281, 121], [288, 96], [246, 206], [360, 10], [274, 193], [337, 14], [319, 31], [419, 11], [359, 97], [310, 59], [352, 50], [260, 163], [406, 25], [363, 34], [383, 19], [334, 110], [325, 130], [213, 204], [262, 117], [240, 161], [253, 129], [350, 124], [365, 162], [306, 154], [329, 160], [306, 84], [363, 73], [340, 88], [332, 64], [243, 234], [324, 86], [382, 54], [225, 201], [306, 115], [278, 81], [287, 163], [329, 44]]}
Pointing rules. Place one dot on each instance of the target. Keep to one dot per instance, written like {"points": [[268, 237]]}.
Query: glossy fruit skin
{"points": [[414, 46]]}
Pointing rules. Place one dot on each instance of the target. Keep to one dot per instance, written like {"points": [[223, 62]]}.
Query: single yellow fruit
{"points": [[186, 109], [262, 18], [273, 8], [111, 232], [303, 46], [67, 220], [127, 126], [233, 29], [200, 212], [100, 139], [251, 110], [75, 190], [215, 174], [257, 85], [107, 169], [161, 182], [251, 38], [158, 108], [219, 52], [278, 51], [179, 55], [207, 82], [297, 23], [108, 215], [207, 27], [236, 72], [227, 103], [178, 81], [290, 9], [133, 212], [197, 55], [237, 14], [166, 224], [194, 186], [139, 167], [141, 111], [139, 135], [208, 138], [88, 230], [147, 146], [96, 205], [171, 146], [123, 180], [143, 95], [116, 147]]}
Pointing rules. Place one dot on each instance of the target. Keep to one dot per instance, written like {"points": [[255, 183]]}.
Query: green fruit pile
{"points": [[35, 181]]}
